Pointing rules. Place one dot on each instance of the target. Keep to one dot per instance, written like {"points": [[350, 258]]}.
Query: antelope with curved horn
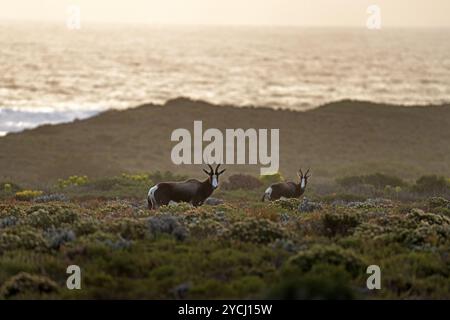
{"points": [[191, 191], [287, 189]]}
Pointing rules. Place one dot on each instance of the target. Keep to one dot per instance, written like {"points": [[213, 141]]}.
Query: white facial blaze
{"points": [[214, 182], [303, 183]]}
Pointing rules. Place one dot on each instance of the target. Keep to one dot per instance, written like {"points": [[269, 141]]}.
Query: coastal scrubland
{"points": [[235, 246], [75, 194]]}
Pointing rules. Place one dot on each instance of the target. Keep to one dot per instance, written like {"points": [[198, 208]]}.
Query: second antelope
{"points": [[191, 191], [287, 189]]}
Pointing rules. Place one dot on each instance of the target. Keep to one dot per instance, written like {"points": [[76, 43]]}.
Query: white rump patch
{"points": [[151, 196], [268, 193]]}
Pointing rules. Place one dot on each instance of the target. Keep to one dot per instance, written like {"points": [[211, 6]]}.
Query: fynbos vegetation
{"points": [[315, 247]]}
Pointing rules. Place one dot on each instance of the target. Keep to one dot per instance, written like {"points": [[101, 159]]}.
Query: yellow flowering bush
{"points": [[73, 181], [27, 195]]}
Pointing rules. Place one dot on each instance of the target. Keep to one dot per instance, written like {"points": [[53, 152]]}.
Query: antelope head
{"points": [[303, 178], [214, 175]]}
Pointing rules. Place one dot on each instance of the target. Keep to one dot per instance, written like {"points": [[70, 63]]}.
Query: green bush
{"points": [[329, 255], [418, 216], [415, 229], [340, 223], [322, 282], [24, 284], [288, 204], [72, 181], [437, 202], [268, 179], [255, 231], [432, 185], [206, 228], [9, 188], [86, 226], [130, 229], [22, 237], [242, 249], [49, 216], [439, 205]]}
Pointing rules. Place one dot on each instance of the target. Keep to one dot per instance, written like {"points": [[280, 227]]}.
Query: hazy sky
{"points": [[413, 13]]}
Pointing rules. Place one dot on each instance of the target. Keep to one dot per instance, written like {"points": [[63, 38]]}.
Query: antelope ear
{"points": [[206, 172], [222, 171]]}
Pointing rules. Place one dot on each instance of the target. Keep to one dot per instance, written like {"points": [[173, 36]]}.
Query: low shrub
{"points": [[50, 198], [25, 283], [8, 221], [255, 230], [288, 204], [72, 181], [86, 226], [328, 255], [22, 237], [323, 282], [57, 237], [416, 229], [340, 223], [49, 216], [370, 204], [9, 188], [418, 216], [166, 224], [268, 179], [129, 229], [309, 206], [432, 185], [27, 195], [177, 208], [439, 205], [206, 228], [437, 202]]}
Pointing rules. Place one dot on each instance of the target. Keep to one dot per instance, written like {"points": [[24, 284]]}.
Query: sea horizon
{"points": [[54, 75]]}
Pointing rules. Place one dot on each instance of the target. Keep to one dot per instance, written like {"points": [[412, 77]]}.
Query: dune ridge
{"points": [[336, 139]]}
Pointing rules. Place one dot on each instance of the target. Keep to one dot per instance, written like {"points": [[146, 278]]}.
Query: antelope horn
{"points": [[211, 170], [307, 171], [301, 173], [217, 168]]}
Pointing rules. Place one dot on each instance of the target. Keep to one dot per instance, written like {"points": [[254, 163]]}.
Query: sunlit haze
{"points": [[404, 13]]}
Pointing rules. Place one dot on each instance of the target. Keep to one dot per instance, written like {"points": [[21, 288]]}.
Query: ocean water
{"points": [[49, 74]]}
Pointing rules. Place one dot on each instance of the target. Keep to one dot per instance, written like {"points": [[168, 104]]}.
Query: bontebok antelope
{"points": [[191, 191], [287, 189]]}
